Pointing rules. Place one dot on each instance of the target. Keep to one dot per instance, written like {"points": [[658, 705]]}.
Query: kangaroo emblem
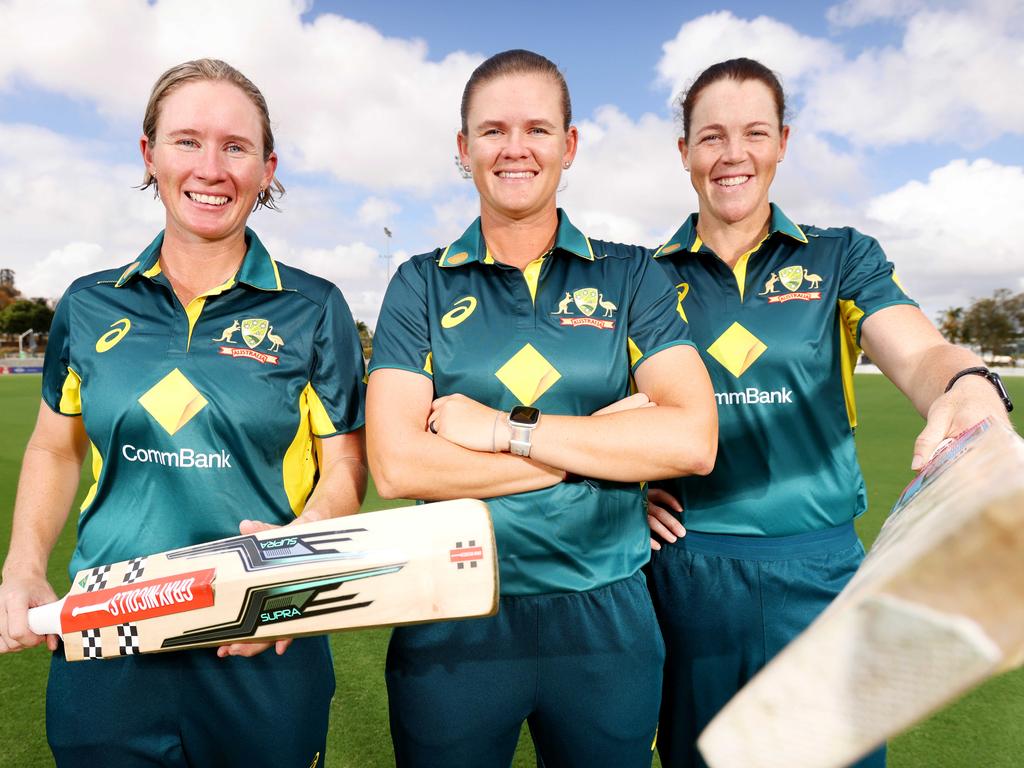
{"points": [[228, 333], [563, 305], [769, 285]]}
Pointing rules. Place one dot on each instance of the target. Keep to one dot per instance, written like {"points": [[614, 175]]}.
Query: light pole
{"points": [[387, 253]]}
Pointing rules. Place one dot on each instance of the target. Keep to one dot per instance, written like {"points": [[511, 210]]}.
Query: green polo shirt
{"points": [[564, 335], [205, 415], [779, 334]]}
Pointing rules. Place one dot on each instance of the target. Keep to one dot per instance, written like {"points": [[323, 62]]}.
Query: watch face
{"points": [[524, 416]]}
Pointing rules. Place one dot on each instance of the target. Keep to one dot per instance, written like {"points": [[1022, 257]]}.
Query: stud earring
{"points": [[566, 165], [466, 168]]}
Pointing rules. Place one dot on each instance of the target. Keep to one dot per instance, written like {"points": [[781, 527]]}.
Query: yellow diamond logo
{"points": [[173, 401], [737, 349], [528, 375]]}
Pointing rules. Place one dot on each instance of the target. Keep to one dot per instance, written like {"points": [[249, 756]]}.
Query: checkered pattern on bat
{"points": [[127, 639], [92, 644], [135, 568], [97, 578]]}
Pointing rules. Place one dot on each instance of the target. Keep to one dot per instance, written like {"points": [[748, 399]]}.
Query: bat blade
{"points": [[400, 566], [936, 608]]}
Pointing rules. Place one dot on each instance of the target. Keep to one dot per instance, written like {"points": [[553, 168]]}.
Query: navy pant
{"points": [[727, 605], [189, 708], [582, 668]]}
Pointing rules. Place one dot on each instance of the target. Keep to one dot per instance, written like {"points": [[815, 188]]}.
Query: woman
{"points": [[778, 312], [202, 347], [489, 356]]}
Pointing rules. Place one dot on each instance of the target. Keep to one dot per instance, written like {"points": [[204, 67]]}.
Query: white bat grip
{"points": [[45, 619]]}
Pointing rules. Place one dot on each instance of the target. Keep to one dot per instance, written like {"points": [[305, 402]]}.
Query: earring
{"points": [[566, 165], [780, 159], [466, 168], [262, 189]]}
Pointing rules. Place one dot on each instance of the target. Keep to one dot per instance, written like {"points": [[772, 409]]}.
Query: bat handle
{"points": [[45, 619]]}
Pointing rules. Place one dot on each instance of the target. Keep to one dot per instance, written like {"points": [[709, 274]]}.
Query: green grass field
{"points": [[984, 729]]}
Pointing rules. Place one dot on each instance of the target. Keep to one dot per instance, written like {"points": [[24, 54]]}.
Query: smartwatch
{"points": [[523, 420], [993, 378]]}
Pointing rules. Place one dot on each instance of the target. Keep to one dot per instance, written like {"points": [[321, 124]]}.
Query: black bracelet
{"points": [[993, 379]]}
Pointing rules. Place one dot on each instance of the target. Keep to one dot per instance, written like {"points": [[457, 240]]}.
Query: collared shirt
{"points": [[199, 416], [564, 336], [780, 334]]}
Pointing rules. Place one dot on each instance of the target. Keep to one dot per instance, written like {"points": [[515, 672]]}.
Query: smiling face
{"points": [[734, 146], [207, 157], [516, 145]]}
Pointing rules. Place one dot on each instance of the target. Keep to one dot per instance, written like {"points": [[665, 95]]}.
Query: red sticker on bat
{"points": [[465, 554], [135, 602]]}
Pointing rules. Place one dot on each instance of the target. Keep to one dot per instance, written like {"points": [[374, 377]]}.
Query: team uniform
{"points": [[770, 538], [198, 417], [575, 648]]}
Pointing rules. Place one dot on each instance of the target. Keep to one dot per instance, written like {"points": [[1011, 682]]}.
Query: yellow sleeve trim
{"points": [[71, 394], [318, 416], [97, 468], [299, 466], [850, 315], [634, 352], [428, 364]]}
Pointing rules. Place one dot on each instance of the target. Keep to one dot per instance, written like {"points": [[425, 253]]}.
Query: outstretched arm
{"points": [[913, 355]]}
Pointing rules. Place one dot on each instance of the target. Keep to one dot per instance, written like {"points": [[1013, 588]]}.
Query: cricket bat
{"points": [[397, 566], [936, 608]]}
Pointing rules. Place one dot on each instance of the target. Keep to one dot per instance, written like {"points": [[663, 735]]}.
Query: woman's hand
{"points": [[662, 522], [254, 649], [639, 400], [465, 422], [17, 595]]}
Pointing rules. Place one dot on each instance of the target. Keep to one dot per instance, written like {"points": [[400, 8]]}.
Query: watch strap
{"points": [[991, 376]]}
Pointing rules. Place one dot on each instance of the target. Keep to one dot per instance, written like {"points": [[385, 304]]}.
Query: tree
{"points": [[24, 314], [365, 338], [996, 324], [8, 292], [951, 324]]}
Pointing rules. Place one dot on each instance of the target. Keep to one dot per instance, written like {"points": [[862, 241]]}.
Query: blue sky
{"points": [[907, 123]]}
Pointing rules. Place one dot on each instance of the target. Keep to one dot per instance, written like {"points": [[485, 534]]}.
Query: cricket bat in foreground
{"points": [[936, 608], [397, 566]]}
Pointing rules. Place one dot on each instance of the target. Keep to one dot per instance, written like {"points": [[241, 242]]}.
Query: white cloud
{"points": [[627, 183], [63, 199], [951, 80], [344, 99], [720, 36], [375, 210], [952, 237]]}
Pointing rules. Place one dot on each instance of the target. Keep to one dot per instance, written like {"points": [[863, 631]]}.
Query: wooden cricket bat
{"points": [[397, 566], [936, 608]]}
